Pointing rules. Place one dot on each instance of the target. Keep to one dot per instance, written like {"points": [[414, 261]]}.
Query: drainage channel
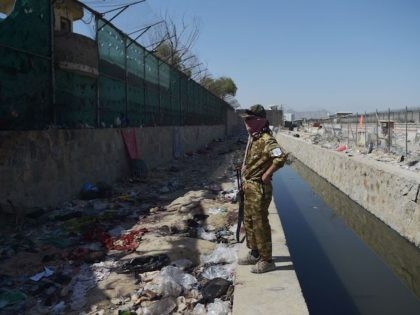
{"points": [[347, 261]]}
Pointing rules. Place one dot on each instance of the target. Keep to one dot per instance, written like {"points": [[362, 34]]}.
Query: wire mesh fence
{"points": [[396, 131], [52, 76]]}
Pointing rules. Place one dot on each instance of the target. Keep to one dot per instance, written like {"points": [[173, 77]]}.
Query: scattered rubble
{"points": [[157, 245], [337, 142]]}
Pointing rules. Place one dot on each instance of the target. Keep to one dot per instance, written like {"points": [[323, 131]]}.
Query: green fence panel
{"points": [[135, 60], [164, 75], [175, 97], [152, 69], [152, 105], [135, 106], [112, 102], [111, 45], [75, 100], [25, 68]]}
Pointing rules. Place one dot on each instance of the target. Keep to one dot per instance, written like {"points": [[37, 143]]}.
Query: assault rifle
{"points": [[240, 198]]}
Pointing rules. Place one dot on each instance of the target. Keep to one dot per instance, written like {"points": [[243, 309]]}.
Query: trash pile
{"points": [[158, 245], [379, 153]]}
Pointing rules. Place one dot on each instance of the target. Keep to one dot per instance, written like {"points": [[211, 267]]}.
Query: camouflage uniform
{"points": [[262, 151]]}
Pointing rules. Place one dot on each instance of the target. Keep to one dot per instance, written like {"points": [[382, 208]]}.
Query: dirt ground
{"points": [[163, 244]]}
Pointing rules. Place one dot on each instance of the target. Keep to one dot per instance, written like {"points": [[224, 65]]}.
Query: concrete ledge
{"points": [[276, 292], [388, 192]]}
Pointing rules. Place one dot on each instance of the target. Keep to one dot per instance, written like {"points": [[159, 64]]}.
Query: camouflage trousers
{"points": [[257, 198]]}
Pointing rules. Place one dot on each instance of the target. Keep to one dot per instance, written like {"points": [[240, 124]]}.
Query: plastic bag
{"points": [[199, 309], [160, 307], [182, 263], [219, 307], [219, 271], [184, 279], [201, 233], [221, 254], [165, 286]]}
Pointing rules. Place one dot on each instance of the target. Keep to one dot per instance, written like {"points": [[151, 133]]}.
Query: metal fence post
{"points": [[357, 122], [389, 129], [365, 122], [125, 123], [98, 113], [348, 132], [377, 128], [406, 131], [52, 64]]}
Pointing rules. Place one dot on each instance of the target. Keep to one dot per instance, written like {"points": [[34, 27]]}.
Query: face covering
{"points": [[255, 124]]}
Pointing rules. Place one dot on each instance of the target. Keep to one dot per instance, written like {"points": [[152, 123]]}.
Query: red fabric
{"points": [[125, 242], [341, 148], [130, 141], [255, 124]]}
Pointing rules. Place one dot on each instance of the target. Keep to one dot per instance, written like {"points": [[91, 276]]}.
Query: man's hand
{"points": [[266, 178]]}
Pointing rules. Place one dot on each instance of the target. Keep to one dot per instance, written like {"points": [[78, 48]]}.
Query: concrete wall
{"points": [[388, 192], [235, 123], [44, 168]]}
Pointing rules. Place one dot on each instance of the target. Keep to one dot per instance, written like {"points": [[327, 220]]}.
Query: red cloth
{"points": [[341, 148], [130, 141]]}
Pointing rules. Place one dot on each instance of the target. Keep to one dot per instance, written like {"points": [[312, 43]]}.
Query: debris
{"points": [[201, 233], [44, 274], [215, 288], [100, 190], [164, 286], [219, 307], [13, 297], [58, 308], [341, 148], [182, 263], [219, 271], [222, 254], [145, 263], [216, 210], [184, 279], [199, 309], [412, 163], [161, 307], [89, 192]]}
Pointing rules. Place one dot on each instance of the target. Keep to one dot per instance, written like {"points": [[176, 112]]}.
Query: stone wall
{"points": [[44, 168], [388, 192]]}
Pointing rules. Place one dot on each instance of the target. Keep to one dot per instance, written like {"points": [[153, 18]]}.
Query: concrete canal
{"points": [[347, 261]]}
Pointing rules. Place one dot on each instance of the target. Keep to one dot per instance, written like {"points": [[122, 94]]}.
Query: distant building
{"points": [[289, 116]]}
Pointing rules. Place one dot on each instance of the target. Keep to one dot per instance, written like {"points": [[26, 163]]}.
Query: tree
{"points": [[222, 86], [176, 41]]}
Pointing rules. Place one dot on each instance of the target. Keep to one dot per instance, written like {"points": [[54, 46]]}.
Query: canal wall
{"points": [[388, 192], [44, 168]]}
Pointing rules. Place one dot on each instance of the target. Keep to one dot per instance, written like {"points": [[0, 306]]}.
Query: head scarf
{"points": [[254, 125]]}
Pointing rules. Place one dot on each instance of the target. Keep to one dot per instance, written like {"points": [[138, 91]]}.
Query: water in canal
{"points": [[347, 261]]}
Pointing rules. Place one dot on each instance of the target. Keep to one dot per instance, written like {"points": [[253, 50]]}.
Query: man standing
{"points": [[263, 157]]}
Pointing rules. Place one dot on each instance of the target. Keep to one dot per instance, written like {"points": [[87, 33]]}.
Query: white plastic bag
{"points": [[219, 271], [219, 307], [208, 236], [184, 279], [160, 307], [222, 254], [199, 309], [165, 286]]}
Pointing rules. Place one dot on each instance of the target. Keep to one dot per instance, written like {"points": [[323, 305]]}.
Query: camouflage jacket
{"points": [[261, 152]]}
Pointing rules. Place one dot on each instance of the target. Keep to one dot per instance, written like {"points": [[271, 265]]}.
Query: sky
{"points": [[338, 55]]}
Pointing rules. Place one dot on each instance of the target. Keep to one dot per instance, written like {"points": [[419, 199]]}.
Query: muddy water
{"points": [[347, 261]]}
